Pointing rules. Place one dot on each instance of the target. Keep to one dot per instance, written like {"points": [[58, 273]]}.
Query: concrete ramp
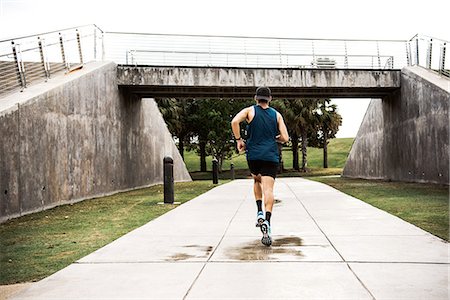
{"points": [[405, 136], [76, 137]]}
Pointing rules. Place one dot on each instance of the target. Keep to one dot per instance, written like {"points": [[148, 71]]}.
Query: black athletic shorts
{"points": [[263, 168]]}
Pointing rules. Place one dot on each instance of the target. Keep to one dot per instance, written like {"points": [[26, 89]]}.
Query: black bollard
{"points": [[215, 171], [232, 171], [168, 180]]}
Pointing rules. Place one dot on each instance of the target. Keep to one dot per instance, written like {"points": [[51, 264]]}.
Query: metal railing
{"points": [[429, 52], [36, 58], [253, 52]]}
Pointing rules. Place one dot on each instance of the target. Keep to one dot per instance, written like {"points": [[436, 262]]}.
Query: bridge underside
{"points": [[248, 92], [194, 82]]}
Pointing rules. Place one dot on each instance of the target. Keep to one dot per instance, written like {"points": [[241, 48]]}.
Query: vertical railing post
{"points": [[95, 43], [378, 54], [417, 51], [442, 58], [103, 46], [18, 66], [429, 52], [209, 49], [43, 63], [346, 56], [232, 175], [79, 47], [279, 49], [63, 54], [408, 54], [245, 51]]}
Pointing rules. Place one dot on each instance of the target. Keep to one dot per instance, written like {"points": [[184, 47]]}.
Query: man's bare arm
{"points": [[284, 136], [240, 117], [235, 126]]}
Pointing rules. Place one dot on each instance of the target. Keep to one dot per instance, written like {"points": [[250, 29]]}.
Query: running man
{"points": [[265, 129]]}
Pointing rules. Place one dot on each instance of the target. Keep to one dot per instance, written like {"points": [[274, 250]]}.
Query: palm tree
{"points": [[301, 122], [307, 123], [329, 121]]}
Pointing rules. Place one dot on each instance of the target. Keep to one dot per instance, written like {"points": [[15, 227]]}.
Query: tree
{"points": [[177, 114], [208, 120], [213, 126], [301, 123], [199, 120], [328, 122], [285, 107]]}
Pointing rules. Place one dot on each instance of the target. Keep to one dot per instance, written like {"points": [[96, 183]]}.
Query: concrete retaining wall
{"points": [[77, 139], [405, 137]]}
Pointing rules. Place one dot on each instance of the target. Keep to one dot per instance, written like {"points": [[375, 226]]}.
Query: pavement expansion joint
{"points": [[263, 262], [332, 245], [215, 248]]}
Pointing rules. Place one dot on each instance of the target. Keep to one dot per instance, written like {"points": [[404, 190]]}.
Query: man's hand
{"points": [[240, 145], [278, 139]]}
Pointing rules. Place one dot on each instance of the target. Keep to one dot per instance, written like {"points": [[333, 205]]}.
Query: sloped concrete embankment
{"points": [[79, 137], [405, 137]]}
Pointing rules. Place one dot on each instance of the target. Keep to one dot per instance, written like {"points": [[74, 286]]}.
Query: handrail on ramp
{"points": [[36, 58]]}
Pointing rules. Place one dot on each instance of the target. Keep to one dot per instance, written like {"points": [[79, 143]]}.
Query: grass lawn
{"points": [[338, 150], [424, 205], [37, 245]]}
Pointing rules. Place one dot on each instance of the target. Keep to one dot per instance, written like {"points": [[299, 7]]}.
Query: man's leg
{"points": [[267, 185], [257, 188], [257, 191]]}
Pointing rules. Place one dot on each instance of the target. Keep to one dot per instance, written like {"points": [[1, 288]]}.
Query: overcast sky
{"points": [[381, 19]]}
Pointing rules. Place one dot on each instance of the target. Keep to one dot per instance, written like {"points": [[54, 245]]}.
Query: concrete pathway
{"points": [[327, 245]]}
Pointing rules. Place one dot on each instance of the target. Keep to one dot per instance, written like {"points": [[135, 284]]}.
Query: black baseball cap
{"points": [[263, 93]]}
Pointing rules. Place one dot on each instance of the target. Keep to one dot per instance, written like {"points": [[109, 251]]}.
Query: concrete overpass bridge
{"points": [[80, 127], [226, 82]]}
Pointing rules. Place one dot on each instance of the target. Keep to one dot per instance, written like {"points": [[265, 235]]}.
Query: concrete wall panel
{"points": [[9, 162], [79, 139], [405, 136]]}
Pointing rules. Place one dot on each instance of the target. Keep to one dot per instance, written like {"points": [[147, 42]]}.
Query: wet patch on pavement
{"points": [[200, 252], [179, 256], [255, 250]]}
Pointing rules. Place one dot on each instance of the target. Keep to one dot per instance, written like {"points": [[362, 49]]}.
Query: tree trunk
{"points": [[202, 145], [304, 150], [181, 147], [325, 149], [220, 159], [295, 164], [280, 163]]}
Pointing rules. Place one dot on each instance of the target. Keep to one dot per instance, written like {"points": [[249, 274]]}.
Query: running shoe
{"points": [[265, 229], [259, 218]]}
